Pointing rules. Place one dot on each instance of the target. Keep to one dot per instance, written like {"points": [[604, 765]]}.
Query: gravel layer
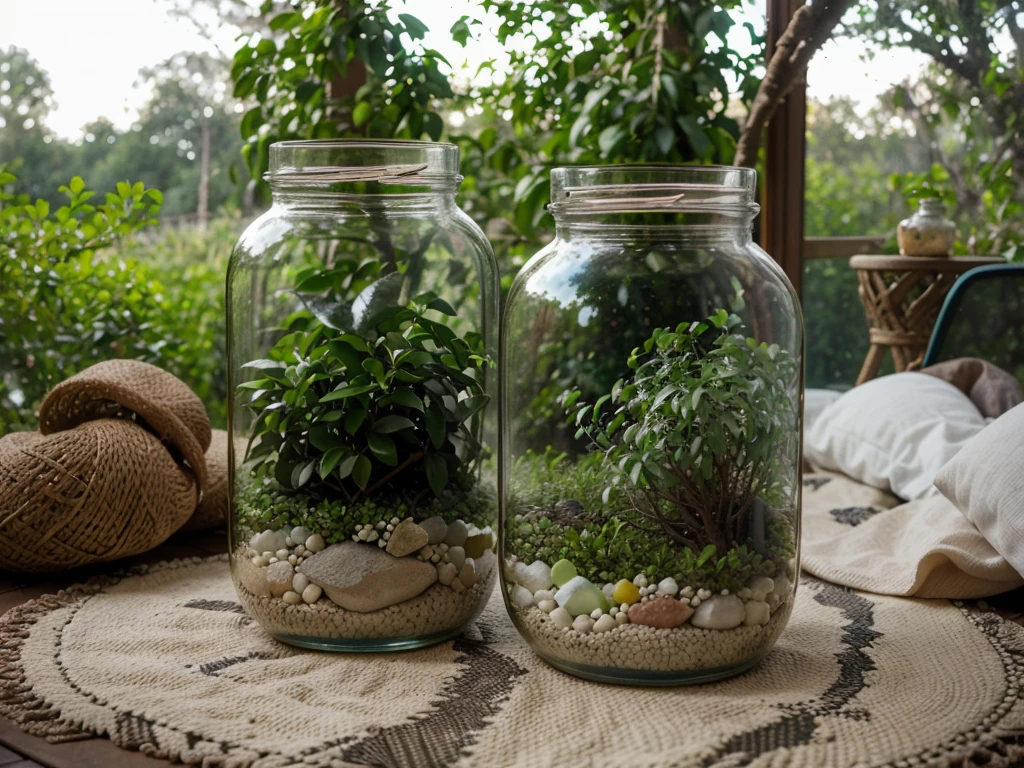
{"points": [[437, 610], [639, 647]]}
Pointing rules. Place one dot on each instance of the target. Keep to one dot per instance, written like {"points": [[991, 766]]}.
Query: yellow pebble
{"points": [[626, 592]]}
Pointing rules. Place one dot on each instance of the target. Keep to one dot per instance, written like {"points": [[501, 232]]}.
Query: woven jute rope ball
{"points": [[117, 467]]}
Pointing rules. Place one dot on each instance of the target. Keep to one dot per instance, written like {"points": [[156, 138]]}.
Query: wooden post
{"points": [[782, 196]]}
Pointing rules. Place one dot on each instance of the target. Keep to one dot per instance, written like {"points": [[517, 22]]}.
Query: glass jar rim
{"points": [[328, 163], [595, 189]]}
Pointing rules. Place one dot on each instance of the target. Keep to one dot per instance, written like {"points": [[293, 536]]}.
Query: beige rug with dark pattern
{"points": [[165, 661]]}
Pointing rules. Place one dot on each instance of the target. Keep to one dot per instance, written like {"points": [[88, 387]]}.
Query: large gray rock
{"points": [[364, 578]]}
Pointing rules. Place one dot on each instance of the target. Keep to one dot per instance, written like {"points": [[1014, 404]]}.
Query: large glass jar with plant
{"points": [[362, 336], [652, 407]]}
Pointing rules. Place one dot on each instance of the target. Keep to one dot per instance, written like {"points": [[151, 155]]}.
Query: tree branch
{"points": [[808, 30]]}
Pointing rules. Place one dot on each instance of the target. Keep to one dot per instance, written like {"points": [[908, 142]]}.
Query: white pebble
{"points": [[561, 618], [521, 597], [703, 594], [355, 537], [467, 574], [667, 586], [624, 608], [300, 550], [282, 554], [381, 524], [609, 592], [757, 613], [315, 543], [605, 623], [288, 541], [583, 624], [622, 618], [256, 560], [299, 534], [613, 611], [293, 559], [694, 601], [373, 536], [547, 605], [640, 580], [299, 582], [760, 586], [292, 598], [725, 591], [458, 586], [687, 591], [311, 594], [382, 543], [643, 591], [544, 594], [363, 534], [597, 613], [271, 561], [390, 527]]}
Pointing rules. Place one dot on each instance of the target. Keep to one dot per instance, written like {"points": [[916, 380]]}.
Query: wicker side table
{"points": [[902, 296]]}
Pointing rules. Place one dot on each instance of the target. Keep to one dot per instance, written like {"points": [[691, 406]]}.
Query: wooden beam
{"points": [[840, 247], [782, 196]]}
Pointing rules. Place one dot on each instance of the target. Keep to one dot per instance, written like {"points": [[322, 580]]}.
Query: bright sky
{"points": [[93, 50]]}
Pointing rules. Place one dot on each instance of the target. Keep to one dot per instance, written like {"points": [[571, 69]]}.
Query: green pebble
{"points": [[562, 572], [525, 529], [544, 523]]}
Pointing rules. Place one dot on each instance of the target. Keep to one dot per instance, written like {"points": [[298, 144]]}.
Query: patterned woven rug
{"points": [[164, 660]]}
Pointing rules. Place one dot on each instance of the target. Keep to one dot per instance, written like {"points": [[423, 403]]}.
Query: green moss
{"points": [[614, 543], [261, 507]]}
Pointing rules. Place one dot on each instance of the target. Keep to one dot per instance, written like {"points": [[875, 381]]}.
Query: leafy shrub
{"points": [[700, 431], [71, 296], [338, 413]]}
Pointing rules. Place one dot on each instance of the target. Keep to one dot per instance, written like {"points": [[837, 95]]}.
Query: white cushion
{"points": [[985, 480], [895, 432], [816, 401]]}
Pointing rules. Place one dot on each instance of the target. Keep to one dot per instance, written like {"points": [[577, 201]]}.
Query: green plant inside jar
{"points": [[682, 496], [360, 486]]}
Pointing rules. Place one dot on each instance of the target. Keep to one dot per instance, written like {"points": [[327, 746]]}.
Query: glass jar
{"points": [[927, 232], [652, 406], [362, 331]]}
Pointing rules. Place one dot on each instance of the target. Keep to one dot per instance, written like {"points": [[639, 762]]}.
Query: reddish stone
{"points": [[662, 612]]}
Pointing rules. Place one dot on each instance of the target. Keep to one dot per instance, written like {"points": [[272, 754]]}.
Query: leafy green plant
{"points": [[399, 407], [80, 284], [699, 432]]}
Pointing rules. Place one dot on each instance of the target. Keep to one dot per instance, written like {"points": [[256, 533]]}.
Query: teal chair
{"points": [[983, 316]]}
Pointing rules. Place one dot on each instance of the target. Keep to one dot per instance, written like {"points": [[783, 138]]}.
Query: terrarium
{"points": [[362, 336], [652, 406]]}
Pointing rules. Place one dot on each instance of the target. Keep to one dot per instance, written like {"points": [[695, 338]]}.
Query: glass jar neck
{"points": [[734, 233], [364, 175], [665, 203]]}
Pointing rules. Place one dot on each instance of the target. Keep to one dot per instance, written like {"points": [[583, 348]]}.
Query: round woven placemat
{"points": [[165, 661]]}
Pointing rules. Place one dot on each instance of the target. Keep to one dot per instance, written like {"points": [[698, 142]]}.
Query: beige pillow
{"points": [[985, 480]]}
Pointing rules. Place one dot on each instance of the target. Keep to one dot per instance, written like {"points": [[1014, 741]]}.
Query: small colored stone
{"points": [[626, 592], [563, 572], [456, 534], [579, 597], [405, 539], [477, 544], [436, 529], [457, 556], [663, 612]]}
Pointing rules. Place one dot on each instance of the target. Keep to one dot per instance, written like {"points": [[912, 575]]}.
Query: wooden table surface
{"points": [[19, 750]]}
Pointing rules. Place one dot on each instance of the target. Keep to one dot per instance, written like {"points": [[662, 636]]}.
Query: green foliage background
{"points": [[649, 80]]}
